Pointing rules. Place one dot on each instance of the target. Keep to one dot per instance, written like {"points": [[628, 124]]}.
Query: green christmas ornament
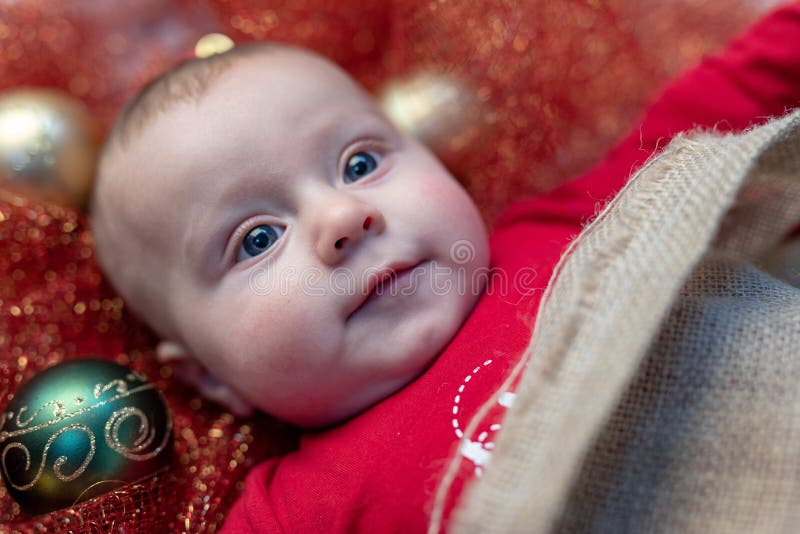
{"points": [[81, 429]]}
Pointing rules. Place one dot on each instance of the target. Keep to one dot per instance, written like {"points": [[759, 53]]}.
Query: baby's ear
{"points": [[187, 369]]}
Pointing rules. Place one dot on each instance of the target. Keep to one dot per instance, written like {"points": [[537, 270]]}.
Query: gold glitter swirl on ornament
{"points": [[146, 434], [57, 413], [120, 386], [5, 434], [60, 461]]}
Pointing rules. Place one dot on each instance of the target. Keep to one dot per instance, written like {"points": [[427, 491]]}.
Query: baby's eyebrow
{"points": [[224, 215], [197, 243]]}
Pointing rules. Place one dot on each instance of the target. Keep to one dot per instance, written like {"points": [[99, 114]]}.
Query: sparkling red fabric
{"points": [[589, 66], [556, 81], [379, 472], [56, 307]]}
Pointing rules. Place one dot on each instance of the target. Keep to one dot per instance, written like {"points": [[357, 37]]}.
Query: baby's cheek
{"points": [[440, 200], [284, 334], [463, 220], [434, 189], [255, 333]]}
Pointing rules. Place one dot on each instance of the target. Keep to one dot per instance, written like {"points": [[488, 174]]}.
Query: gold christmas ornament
{"points": [[213, 43], [47, 146], [441, 111], [80, 429]]}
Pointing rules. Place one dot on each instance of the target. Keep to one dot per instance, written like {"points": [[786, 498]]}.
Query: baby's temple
{"points": [[400, 267]]}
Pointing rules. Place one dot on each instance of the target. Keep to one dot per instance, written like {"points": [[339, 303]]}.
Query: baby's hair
{"points": [[186, 81]]}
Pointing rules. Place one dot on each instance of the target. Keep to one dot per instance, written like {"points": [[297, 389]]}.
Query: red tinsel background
{"points": [[552, 84]]}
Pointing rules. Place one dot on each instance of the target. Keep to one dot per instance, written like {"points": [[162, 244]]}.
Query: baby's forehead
{"points": [[255, 69], [273, 97], [284, 92], [284, 82]]}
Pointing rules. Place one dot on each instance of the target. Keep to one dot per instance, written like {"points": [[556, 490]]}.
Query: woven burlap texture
{"points": [[662, 391]]}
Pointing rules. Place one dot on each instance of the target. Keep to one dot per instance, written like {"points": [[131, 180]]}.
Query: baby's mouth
{"points": [[387, 281]]}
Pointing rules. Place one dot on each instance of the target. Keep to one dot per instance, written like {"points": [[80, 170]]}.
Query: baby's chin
{"points": [[314, 408], [328, 412], [317, 414], [350, 408]]}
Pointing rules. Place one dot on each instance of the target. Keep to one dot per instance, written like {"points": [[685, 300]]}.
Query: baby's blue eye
{"points": [[359, 165], [258, 240]]}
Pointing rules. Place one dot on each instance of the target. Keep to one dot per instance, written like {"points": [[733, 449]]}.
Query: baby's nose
{"points": [[342, 223]]}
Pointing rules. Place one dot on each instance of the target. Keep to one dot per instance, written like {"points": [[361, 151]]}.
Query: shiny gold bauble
{"points": [[47, 146], [212, 44], [81, 429], [440, 110]]}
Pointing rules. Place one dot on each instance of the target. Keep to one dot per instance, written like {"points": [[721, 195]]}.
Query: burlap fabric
{"points": [[663, 388]]}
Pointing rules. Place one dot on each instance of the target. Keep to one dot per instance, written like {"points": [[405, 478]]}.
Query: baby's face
{"points": [[284, 196]]}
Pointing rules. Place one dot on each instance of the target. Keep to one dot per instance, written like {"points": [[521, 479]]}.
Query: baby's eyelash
{"points": [[259, 240], [241, 232], [377, 148], [361, 145]]}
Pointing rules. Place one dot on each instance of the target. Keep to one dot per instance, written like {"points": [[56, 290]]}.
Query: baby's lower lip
{"points": [[393, 284], [397, 285]]}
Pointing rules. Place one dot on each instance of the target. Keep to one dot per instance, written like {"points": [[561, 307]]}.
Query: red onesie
{"points": [[379, 471]]}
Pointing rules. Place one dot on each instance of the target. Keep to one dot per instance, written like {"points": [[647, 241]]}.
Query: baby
{"points": [[289, 245], [300, 255]]}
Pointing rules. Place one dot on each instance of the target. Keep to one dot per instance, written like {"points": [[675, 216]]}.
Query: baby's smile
{"points": [[394, 281]]}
